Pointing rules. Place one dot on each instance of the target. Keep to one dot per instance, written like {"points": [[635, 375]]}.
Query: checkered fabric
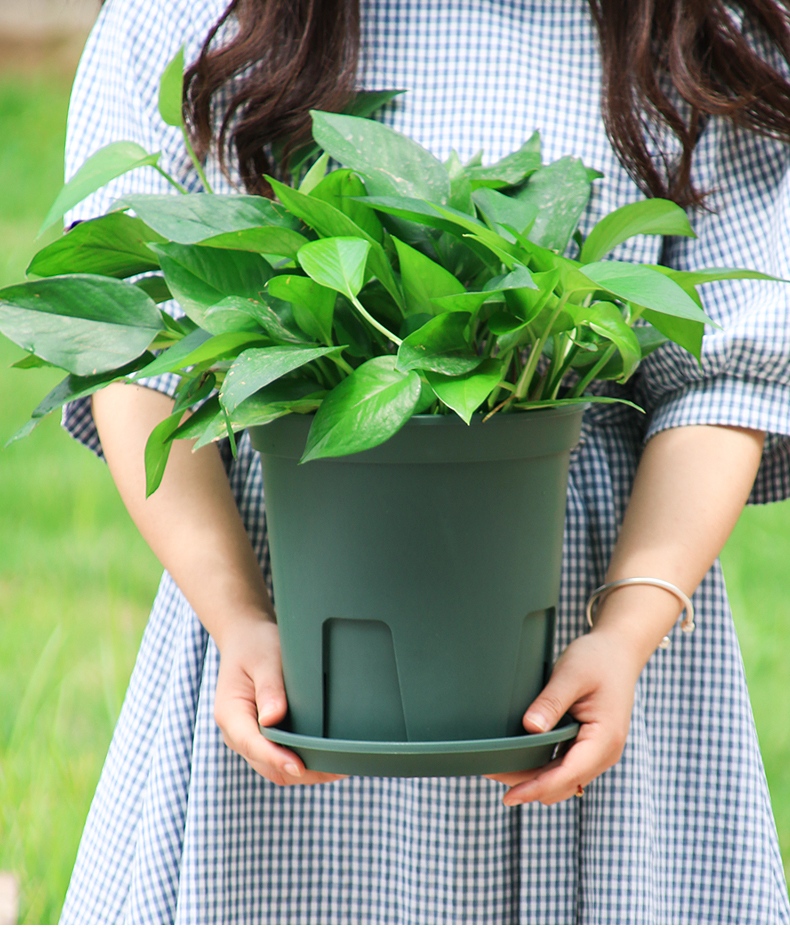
{"points": [[680, 830]]}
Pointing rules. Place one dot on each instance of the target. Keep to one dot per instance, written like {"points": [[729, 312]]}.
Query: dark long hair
{"points": [[667, 64]]}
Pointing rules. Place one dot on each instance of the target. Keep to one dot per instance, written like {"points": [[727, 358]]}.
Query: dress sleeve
{"points": [[115, 98], [744, 378]]}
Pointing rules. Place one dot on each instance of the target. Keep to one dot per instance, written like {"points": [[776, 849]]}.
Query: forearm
{"points": [[191, 522], [690, 488]]}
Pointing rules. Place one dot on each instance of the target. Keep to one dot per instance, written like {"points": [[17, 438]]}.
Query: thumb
{"points": [[270, 696], [545, 712]]}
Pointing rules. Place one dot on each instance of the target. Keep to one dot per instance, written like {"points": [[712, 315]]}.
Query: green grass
{"points": [[756, 563], [76, 580]]}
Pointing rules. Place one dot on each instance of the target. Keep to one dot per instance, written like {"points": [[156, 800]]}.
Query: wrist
{"points": [[227, 627], [640, 616]]}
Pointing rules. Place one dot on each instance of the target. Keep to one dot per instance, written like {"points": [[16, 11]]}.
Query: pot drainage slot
{"points": [[362, 699]]}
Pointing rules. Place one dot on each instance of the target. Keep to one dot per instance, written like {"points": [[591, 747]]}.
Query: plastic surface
{"points": [[416, 583], [399, 759]]}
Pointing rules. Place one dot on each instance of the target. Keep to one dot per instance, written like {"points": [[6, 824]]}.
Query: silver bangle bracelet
{"points": [[687, 624]]}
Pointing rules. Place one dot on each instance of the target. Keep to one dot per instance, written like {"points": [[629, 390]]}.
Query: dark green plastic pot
{"points": [[416, 583]]}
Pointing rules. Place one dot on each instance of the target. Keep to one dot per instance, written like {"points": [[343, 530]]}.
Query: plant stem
{"points": [[554, 385], [579, 388], [342, 364], [179, 187], [326, 371], [492, 397], [375, 323], [196, 162]]}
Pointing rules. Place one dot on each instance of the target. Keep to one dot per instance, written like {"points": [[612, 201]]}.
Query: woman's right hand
{"points": [[250, 691], [194, 527]]}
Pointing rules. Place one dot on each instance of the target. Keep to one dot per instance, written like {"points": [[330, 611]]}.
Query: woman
{"points": [[203, 821]]}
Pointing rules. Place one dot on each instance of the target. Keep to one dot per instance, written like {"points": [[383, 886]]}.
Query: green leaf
{"points": [[193, 389], [363, 103], [654, 217], [157, 450], [391, 163], [520, 278], [339, 189], [707, 275], [83, 323], [290, 395], [198, 348], [501, 323], [200, 277], [192, 218], [315, 175], [364, 410], [423, 280], [646, 287], [510, 171], [468, 302], [570, 401], [32, 361], [313, 304], [606, 320], [686, 333], [418, 211], [155, 287], [234, 314], [113, 245], [466, 393], [440, 345], [198, 421], [351, 331], [337, 263], [267, 240], [241, 313], [102, 167], [72, 388], [649, 339], [558, 195], [171, 91], [256, 368], [498, 208], [328, 221]]}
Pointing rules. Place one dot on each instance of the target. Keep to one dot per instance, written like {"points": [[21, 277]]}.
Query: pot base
{"points": [[426, 759]]}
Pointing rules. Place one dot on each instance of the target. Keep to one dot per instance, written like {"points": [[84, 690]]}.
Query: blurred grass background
{"points": [[76, 580]]}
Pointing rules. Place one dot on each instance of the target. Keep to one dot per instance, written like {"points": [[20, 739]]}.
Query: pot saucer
{"points": [[426, 759]]}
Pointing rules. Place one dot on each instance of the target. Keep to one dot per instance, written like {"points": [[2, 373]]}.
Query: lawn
{"points": [[76, 580]]}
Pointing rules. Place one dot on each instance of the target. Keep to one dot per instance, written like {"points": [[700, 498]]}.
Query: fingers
{"points": [[592, 754], [593, 681], [250, 692], [565, 687]]}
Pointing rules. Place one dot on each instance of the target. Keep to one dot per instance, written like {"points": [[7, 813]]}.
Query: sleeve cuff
{"points": [[78, 420], [727, 400]]}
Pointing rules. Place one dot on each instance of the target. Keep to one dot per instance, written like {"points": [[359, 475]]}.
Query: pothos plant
{"points": [[393, 286]]}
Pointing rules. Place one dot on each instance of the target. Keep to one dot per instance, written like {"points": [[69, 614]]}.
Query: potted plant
{"points": [[410, 346]]}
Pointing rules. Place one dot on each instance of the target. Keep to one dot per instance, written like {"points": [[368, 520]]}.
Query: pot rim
{"points": [[440, 438]]}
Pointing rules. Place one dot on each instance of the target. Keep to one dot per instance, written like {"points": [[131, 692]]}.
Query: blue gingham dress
{"points": [[680, 830]]}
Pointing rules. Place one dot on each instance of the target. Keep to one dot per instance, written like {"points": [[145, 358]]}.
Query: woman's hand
{"points": [[690, 488], [594, 681], [194, 527], [249, 692]]}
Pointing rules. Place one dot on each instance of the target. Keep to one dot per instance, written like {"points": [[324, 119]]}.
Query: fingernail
{"points": [[266, 712], [539, 721], [292, 769], [512, 802]]}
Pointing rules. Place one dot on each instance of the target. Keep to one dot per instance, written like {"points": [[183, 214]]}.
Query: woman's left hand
{"points": [[689, 489], [594, 681]]}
